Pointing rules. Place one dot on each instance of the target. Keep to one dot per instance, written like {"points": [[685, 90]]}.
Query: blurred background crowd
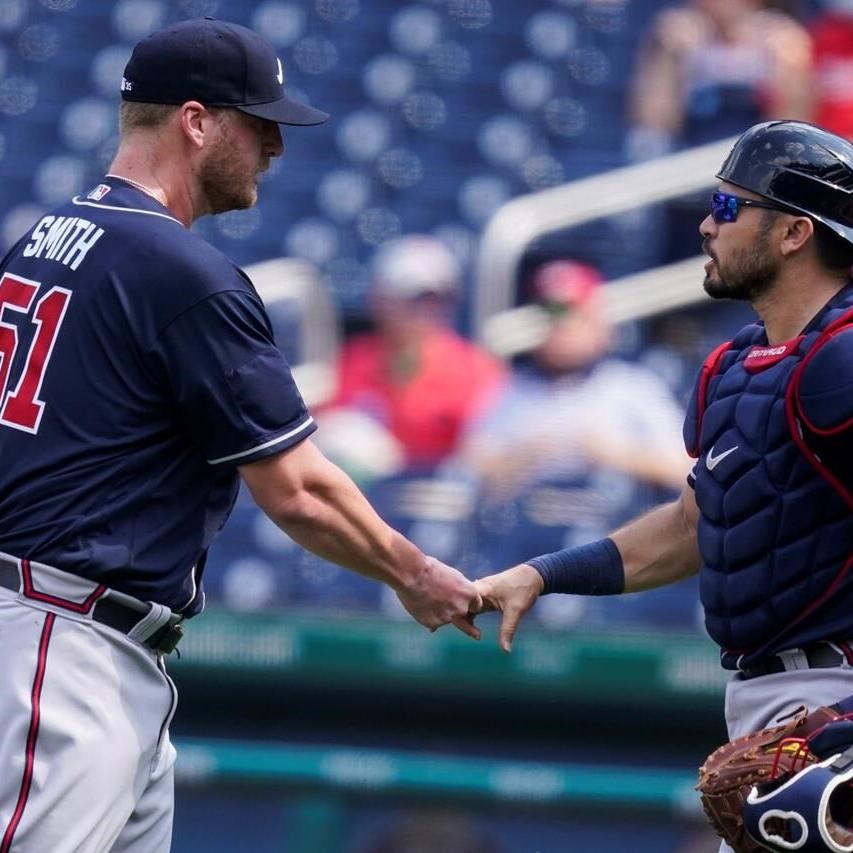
{"points": [[482, 452]]}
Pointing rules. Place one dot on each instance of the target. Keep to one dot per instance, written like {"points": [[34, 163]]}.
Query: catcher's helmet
{"points": [[799, 166]]}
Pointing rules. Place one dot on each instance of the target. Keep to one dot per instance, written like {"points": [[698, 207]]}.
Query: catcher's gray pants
{"points": [[769, 700], [86, 765]]}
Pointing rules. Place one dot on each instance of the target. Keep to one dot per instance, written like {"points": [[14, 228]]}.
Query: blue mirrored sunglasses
{"points": [[725, 207]]}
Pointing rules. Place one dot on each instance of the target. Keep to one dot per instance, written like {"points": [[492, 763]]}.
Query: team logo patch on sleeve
{"points": [[98, 193]]}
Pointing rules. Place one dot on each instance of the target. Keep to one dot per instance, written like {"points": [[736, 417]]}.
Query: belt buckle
{"points": [[166, 640], [764, 666]]}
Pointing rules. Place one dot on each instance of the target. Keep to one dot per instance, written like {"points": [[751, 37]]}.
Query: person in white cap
{"points": [[413, 374]]}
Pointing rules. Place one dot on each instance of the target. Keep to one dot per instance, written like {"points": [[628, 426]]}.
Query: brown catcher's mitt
{"points": [[728, 774]]}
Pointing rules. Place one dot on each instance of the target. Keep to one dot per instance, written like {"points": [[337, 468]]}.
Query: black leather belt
{"points": [[817, 656], [113, 614]]}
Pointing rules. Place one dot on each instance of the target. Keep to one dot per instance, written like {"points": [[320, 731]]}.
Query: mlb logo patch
{"points": [[99, 192]]}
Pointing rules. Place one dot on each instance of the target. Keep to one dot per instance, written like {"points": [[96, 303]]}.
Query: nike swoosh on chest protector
{"points": [[712, 461]]}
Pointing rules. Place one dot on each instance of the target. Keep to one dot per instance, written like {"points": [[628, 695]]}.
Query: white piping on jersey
{"points": [[194, 584], [124, 209], [263, 446]]}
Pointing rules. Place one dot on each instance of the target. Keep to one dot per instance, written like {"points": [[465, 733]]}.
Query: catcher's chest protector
{"points": [[776, 527]]}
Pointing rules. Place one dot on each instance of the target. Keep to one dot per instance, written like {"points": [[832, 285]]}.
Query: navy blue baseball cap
{"points": [[216, 63]]}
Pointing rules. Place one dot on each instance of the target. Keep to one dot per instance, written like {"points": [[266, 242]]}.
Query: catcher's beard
{"points": [[746, 274]]}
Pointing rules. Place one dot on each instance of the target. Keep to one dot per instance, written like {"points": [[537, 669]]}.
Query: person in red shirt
{"points": [[832, 34], [413, 374]]}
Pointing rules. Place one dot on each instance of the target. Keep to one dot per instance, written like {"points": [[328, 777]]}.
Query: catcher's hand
{"points": [[729, 773], [512, 592]]}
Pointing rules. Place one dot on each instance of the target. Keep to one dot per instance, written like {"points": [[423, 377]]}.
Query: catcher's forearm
{"points": [[656, 549], [660, 547]]}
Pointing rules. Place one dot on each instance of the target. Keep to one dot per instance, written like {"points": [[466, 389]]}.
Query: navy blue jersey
{"points": [[137, 370]]}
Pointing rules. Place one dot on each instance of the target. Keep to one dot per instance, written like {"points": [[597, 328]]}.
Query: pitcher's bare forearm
{"points": [[321, 509]]}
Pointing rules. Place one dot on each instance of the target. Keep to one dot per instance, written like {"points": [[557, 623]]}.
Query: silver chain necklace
{"points": [[136, 184]]}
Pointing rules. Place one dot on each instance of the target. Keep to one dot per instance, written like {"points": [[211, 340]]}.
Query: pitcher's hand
{"points": [[439, 595]]}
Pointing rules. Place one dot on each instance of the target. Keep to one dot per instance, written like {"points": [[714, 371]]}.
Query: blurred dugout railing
{"points": [[507, 329], [304, 320]]}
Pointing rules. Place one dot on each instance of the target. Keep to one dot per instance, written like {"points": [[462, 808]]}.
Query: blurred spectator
{"points": [[561, 454], [832, 33], [711, 68], [413, 380], [570, 407]]}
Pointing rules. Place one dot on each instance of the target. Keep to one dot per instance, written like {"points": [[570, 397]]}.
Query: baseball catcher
{"points": [[786, 787]]}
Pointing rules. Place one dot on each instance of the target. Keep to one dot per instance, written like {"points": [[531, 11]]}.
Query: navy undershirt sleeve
{"points": [[593, 569]]}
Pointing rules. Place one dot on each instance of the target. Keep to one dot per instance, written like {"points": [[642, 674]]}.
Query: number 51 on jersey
{"points": [[20, 406]]}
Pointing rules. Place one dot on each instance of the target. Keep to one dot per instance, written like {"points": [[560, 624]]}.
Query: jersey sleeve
{"points": [[826, 386], [230, 383]]}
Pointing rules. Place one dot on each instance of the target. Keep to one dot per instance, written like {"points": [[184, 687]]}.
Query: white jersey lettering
{"points": [[78, 251], [70, 236], [66, 239], [56, 235], [38, 235]]}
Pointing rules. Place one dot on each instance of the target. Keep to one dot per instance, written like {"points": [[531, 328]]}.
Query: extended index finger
{"points": [[509, 625]]}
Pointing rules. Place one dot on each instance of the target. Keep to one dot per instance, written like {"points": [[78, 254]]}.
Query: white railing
{"points": [[507, 329], [296, 281]]}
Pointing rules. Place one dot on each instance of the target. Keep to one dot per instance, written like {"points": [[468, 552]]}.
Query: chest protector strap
{"points": [[709, 370], [796, 420]]}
